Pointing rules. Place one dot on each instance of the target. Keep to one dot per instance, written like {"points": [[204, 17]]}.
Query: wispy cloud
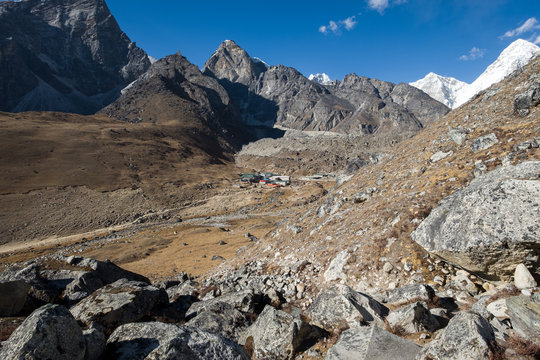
{"points": [[474, 53], [381, 5], [530, 25], [536, 40], [335, 26]]}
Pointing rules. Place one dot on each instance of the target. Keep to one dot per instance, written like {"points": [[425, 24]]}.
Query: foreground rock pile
{"points": [[77, 308]]}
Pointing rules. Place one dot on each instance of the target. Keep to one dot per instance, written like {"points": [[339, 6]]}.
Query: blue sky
{"points": [[392, 40]]}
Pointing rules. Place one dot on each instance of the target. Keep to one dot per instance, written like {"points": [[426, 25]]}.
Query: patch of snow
{"points": [[152, 60], [322, 79], [258, 60]]}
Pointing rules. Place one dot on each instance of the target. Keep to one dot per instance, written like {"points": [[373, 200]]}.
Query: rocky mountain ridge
{"points": [[64, 55], [280, 95]]}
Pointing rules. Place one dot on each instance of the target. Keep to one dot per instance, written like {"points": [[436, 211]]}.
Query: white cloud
{"points": [[381, 5], [529, 25], [334, 27], [536, 40], [378, 5], [474, 53], [349, 23]]}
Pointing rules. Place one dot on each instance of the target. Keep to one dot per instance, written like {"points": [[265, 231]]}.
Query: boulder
{"points": [[483, 142], [95, 274], [12, 297], [498, 309], [335, 269], [413, 318], [153, 340], [278, 335], [50, 332], [371, 343], [440, 155], [244, 301], [119, 303], [524, 314], [490, 226], [222, 319], [530, 98], [96, 341], [341, 304], [41, 291], [523, 278], [409, 293], [467, 336]]}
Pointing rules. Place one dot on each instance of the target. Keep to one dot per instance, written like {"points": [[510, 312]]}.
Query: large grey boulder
{"points": [[524, 314], [467, 336], [95, 274], [341, 304], [222, 319], [413, 318], [119, 303], [278, 335], [12, 297], [371, 343], [153, 340], [491, 225], [50, 332]]}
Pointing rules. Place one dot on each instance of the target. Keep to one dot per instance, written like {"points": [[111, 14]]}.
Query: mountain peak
{"points": [[513, 57], [320, 78], [454, 93], [233, 63]]}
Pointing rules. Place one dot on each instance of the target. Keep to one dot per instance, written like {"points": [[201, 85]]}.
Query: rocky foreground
{"points": [[80, 308]]}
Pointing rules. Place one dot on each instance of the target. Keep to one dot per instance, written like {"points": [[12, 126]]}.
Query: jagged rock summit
{"points": [[281, 95], [454, 93], [64, 55]]}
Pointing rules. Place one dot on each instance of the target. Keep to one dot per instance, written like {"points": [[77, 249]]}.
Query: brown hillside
{"points": [[65, 173], [403, 189]]}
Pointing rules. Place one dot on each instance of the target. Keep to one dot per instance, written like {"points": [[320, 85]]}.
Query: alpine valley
{"points": [[151, 209]]}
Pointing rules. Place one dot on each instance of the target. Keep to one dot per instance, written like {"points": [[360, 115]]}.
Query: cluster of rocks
{"points": [[88, 309]]}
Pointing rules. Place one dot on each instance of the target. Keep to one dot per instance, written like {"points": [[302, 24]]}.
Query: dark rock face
{"points": [[12, 297], [64, 55], [281, 95], [50, 332]]}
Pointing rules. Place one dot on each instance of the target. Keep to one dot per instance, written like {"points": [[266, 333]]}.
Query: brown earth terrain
{"points": [[64, 174]]}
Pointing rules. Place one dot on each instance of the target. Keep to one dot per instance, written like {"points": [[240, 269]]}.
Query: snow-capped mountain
{"points": [[514, 57], [322, 79], [441, 88], [454, 93]]}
